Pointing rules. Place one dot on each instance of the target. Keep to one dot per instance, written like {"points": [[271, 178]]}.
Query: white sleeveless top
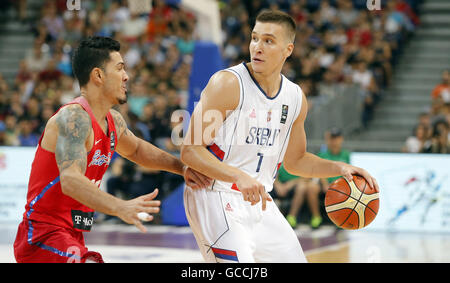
{"points": [[254, 136]]}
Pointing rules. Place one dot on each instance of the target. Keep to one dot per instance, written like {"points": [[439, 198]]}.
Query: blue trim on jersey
{"points": [[260, 88], [30, 225], [39, 196], [210, 150], [227, 257], [48, 248]]}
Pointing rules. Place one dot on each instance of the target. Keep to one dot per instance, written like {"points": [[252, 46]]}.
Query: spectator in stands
{"points": [[381, 63], [346, 13], [447, 113], [436, 109], [63, 63], [122, 173], [50, 73], [11, 131], [425, 120], [155, 55], [160, 121], [138, 97], [396, 20], [418, 141], [440, 142], [47, 112], [52, 21], [442, 90], [117, 14], [404, 7], [2, 133], [334, 151], [69, 89], [36, 60], [327, 86], [74, 24], [15, 105], [365, 79], [133, 27], [185, 42], [327, 12], [136, 123], [294, 189], [158, 19], [33, 114], [23, 75], [132, 54], [26, 135]]}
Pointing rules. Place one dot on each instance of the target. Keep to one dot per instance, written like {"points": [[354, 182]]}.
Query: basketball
{"points": [[351, 205]]}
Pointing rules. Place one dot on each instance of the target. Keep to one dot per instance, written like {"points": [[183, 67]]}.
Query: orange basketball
{"points": [[351, 205]]}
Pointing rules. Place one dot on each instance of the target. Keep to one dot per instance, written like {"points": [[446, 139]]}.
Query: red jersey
{"points": [[46, 202]]}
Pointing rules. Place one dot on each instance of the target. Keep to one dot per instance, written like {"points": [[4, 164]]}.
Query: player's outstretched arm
{"points": [[147, 155], [73, 128], [301, 163], [219, 96]]}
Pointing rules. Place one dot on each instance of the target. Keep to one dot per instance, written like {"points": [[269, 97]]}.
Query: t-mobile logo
{"points": [[78, 219], [82, 220]]}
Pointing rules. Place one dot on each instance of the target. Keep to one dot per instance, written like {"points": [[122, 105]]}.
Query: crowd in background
{"points": [[337, 42], [432, 132]]}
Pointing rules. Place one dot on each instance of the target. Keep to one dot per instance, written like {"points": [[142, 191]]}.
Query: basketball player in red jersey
{"points": [[73, 154]]}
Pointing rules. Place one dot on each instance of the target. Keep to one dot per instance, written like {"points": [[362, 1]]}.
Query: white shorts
{"points": [[229, 229]]}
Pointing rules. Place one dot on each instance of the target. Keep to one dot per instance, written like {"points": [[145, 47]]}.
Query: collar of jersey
{"points": [[260, 88]]}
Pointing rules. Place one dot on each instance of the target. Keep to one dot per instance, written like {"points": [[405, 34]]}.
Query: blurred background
{"points": [[375, 73]]}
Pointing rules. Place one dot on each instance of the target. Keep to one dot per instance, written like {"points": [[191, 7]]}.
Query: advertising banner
{"points": [[414, 190], [15, 166]]}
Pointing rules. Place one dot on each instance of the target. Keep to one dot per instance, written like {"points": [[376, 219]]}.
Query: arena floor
{"points": [[168, 244]]}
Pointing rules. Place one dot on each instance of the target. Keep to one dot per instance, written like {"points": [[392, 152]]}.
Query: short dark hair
{"points": [[279, 17], [92, 52]]}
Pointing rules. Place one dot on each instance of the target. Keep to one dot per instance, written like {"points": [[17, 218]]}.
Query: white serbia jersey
{"points": [[254, 136]]}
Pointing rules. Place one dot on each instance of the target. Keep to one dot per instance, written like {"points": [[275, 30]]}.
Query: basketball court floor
{"points": [[120, 243]]}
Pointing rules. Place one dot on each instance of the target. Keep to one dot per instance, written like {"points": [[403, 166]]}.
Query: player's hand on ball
{"points": [[139, 209], [347, 171], [195, 179]]}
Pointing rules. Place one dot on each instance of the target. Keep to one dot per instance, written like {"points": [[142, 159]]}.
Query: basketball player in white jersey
{"points": [[249, 120]]}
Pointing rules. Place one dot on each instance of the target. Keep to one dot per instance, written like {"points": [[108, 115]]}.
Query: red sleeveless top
{"points": [[45, 201]]}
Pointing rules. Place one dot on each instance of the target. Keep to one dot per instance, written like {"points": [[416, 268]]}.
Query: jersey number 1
{"points": [[261, 156]]}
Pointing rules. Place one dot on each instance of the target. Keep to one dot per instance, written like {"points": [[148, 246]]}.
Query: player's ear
{"points": [[289, 49], [97, 75]]}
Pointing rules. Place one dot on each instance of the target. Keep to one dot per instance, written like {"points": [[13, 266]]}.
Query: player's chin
{"points": [[258, 67], [122, 98]]}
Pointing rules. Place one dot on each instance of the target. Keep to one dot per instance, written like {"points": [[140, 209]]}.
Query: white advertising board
{"points": [[15, 166], [414, 190]]}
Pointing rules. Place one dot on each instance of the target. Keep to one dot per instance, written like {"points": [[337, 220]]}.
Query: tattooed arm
{"points": [[149, 156], [74, 128]]}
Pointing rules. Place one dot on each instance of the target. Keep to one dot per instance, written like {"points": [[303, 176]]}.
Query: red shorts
{"points": [[42, 242]]}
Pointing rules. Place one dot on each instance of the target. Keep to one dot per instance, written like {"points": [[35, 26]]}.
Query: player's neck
{"points": [[270, 83], [99, 106]]}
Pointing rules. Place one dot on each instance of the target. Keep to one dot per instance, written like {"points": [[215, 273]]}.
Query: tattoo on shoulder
{"points": [[74, 126], [119, 121]]}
